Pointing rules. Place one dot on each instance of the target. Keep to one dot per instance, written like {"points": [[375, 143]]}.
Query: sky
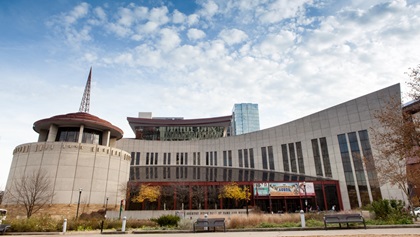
{"points": [[196, 59]]}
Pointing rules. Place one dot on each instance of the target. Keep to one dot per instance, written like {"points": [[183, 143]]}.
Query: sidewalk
{"points": [[388, 231]]}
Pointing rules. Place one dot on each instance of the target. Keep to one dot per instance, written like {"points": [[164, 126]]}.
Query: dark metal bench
{"points": [[343, 218], [3, 228], [210, 222]]}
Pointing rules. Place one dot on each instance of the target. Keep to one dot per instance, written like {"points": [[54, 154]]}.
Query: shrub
{"points": [[35, 224], [167, 220], [185, 224], [390, 212]]}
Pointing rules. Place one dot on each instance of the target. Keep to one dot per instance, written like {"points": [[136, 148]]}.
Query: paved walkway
{"points": [[380, 232]]}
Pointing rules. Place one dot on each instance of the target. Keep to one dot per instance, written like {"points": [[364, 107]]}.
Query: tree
{"points": [[32, 191], [147, 193], [233, 191], [397, 141], [1, 196]]}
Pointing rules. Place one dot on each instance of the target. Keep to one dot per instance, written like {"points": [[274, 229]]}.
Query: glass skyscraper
{"points": [[245, 118]]}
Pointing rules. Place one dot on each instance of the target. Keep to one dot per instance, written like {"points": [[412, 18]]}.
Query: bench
{"points": [[343, 218], [3, 228], [210, 222]]}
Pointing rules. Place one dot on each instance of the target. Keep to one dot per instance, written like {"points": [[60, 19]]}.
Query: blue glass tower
{"points": [[245, 118]]}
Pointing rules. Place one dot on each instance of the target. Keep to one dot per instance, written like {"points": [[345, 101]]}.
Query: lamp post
{"points": [[306, 200], [246, 196], [106, 204], [78, 203]]}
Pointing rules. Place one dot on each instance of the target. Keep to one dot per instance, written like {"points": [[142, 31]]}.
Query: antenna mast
{"points": [[84, 105]]}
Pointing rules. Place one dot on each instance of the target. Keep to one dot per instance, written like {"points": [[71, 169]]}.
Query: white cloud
{"points": [[125, 17], [178, 17], [169, 39], [233, 36], [209, 9], [159, 15], [195, 34], [193, 19], [77, 13], [281, 9]]}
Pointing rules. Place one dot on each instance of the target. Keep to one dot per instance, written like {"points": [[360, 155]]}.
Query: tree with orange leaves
{"points": [[147, 193], [233, 191]]}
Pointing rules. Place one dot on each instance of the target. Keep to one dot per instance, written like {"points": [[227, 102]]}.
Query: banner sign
{"points": [[284, 189]]}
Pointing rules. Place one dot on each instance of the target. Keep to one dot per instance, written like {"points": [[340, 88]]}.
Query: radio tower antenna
{"points": [[84, 105]]}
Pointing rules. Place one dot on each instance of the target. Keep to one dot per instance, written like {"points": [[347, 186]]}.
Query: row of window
{"points": [[292, 158], [320, 150], [354, 171], [159, 173]]}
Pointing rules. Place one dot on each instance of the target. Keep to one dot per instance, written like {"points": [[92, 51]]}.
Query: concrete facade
{"points": [[98, 170], [349, 118]]}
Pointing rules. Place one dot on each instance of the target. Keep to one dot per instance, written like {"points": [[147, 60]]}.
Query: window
{"points": [[348, 172], [251, 157], [292, 157], [317, 157], [224, 158], [358, 168], [300, 157], [370, 166], [137, 158], [132, 158], [230, 158], [271, 157], [67, 135], [246, 162], [285, 157], [240, 160], [264, 157], [325, 156]]}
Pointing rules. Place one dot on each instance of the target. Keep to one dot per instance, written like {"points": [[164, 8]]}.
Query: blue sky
{"points": [[195, 59]]}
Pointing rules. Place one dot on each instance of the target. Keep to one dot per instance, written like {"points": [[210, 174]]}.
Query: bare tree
{"points": [[32, 191], [397, 141]]}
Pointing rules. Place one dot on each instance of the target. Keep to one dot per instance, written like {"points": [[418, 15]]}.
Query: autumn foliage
{"points": [[233, 191], [147, 193], [397, 141]]}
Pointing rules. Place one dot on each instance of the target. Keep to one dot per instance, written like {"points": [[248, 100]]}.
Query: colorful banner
{"points": [[284, 189]]}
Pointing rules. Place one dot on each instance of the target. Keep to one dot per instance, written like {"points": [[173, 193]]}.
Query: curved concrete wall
{"points": [[98, 170], [349, 117]]}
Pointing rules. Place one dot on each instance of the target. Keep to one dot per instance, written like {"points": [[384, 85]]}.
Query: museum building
{"points": [[311, 162]]}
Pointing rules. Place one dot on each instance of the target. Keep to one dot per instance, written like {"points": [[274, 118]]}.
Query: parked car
{"points": [[416, 211]]}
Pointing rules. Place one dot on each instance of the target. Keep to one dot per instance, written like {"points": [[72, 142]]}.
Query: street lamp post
{"points": [[78, 203], [246, 196], [106, 204], [306, 200]]}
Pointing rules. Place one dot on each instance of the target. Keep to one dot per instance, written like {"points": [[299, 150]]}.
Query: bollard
{"points": [[302, 218], [64, 226], [123, 224], [205, 217], [102, 226]]}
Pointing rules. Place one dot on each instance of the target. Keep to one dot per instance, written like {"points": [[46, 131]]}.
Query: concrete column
{"points": [[82, 127], [52, 133], [106, 136]]}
